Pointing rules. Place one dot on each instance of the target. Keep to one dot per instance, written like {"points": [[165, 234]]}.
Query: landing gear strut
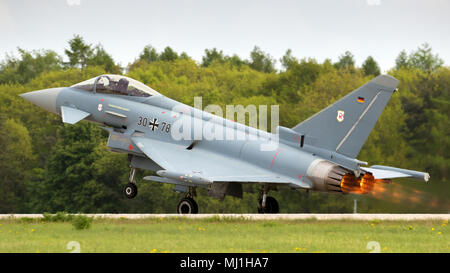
{"points": [[131, 189], [267, 204], [188, 205]]}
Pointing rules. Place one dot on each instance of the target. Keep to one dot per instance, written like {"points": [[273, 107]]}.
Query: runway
{"points": [[302, 216]]}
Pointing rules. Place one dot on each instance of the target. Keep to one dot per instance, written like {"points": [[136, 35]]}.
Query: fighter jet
{"points": [[159, 134]]}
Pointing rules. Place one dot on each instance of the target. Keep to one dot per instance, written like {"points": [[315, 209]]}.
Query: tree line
{"points": [[46, 166]]}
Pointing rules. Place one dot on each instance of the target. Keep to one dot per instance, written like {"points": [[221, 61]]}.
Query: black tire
{"points": [[271, 205], [130, 190], [187, 206]]}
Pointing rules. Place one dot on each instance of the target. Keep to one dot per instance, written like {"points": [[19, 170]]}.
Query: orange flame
{"points": [[397, 193], [363, 185], [349, 183]]}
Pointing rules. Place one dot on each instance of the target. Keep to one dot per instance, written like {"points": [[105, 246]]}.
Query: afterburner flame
{"points": [[363, 185], [349, 183], [395, 193]]}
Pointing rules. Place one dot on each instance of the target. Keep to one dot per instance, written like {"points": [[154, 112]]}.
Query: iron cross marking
{"points": [[154, 124]]}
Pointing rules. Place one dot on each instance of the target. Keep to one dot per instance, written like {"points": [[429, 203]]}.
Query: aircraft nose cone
{"points": [[45, 98]]}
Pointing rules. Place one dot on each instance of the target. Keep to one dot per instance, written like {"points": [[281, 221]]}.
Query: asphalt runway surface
{"points": [[302, 216]]}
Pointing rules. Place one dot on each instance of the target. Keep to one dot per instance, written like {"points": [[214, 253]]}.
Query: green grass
{"points": [[226, 235]]}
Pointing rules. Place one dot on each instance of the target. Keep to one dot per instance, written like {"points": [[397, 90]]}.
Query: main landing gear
{"points": [[187, 205], [131, 189], [267, 204]]}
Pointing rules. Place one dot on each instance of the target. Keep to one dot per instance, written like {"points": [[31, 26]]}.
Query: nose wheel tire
{"points": [[187, 206], [131, 190], [271, 206]]}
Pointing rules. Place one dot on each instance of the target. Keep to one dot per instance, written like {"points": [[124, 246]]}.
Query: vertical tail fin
{"points": [[345, 125]]}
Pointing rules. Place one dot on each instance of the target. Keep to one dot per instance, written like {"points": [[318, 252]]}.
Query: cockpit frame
{"points": [[117, 85]]}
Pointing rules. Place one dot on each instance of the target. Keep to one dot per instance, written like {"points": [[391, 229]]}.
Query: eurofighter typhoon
{"points": [[161, 135]]}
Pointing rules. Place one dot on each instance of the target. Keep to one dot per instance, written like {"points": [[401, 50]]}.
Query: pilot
{"points": [[122, 86]]}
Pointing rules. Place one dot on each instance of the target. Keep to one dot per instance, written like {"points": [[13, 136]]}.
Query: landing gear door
{"points": [[121, 143]]}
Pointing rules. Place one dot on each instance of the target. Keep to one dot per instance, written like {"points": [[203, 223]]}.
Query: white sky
{"points": [[319, 29]]}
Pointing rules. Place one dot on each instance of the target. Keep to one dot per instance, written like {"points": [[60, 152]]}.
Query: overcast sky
{"points": [[319, 29]]}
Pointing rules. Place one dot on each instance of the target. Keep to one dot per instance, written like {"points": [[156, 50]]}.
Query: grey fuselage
{"points": [[128, 115]]}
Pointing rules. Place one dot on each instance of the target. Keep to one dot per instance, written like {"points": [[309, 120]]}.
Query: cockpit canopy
{"points": [[117, 85]]}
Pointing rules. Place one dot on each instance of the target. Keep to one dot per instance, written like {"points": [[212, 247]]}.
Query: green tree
{"points": [[424, 59], [346, 62], [370, 67], [79, 52], [184, 56], [287, 61], [211, 56], [426, 103], [101, 58], [168, 55], [261, 61], [70, 177], [289, 86], [149, 54], [15, 144], [28, 66], [235, 61], [402, 60]]}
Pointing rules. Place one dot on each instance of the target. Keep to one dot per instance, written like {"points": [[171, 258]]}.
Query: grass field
{"points": [[225, 235]]}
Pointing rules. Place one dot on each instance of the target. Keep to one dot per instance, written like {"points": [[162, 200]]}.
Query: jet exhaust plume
{"points": [[383, 189]]}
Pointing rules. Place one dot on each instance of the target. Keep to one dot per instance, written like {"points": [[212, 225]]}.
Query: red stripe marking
{"points": [[273, 159]]}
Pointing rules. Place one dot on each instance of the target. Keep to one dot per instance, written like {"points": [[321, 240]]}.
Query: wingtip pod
{"points": [[386, 81], [382, 172], [426, 177]]}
